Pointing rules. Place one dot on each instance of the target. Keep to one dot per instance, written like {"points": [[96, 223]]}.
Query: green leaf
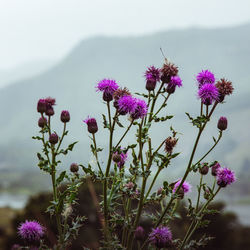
{"points": [[60, 178]]}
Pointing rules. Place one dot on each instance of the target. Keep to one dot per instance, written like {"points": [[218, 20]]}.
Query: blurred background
{"points": [[63, 48]]}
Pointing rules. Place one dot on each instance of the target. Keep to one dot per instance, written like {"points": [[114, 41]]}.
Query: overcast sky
{"points": [[32, 30]]}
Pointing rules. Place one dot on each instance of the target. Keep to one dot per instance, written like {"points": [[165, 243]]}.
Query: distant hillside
{"points": [[24, 71], [225, 51]]}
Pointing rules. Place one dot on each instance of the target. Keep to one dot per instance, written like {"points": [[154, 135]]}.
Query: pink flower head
{"points": [[161, 237], [140, 110], [152, 74], [126, 104], [124, 157], [175, 81], [225, 177], [186, 186], [108, 87], [205, 76], [208, 93], [31, 231]]}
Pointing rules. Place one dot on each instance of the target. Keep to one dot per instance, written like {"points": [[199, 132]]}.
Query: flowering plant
{"points": [[129, 194]]}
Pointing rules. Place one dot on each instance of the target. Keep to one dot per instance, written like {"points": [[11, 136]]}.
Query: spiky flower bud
{"points": [[215, 168], [224, 87], [42, 122], [170, 143], [65, 116], [167, 71], [53, 138], [204, 169], [222, 123], [206, 194], [92, 125], [41, 106], [116, 157], [139, 233], [74, 167]]}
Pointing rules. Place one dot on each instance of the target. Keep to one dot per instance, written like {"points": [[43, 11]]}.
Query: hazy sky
{"points": [[47, 29]]}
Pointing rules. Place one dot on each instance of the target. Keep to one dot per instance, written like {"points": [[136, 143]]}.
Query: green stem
{"points": [[124, 134], [199, 214], [53, 177], [153, 103], [96, 155], [152, 183], [188, 166], [105, 185], [199, 194], [163, 104], [205, 155], [61, 139]]}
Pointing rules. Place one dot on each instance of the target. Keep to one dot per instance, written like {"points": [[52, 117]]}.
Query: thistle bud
{"points": [[170, 143], [49, 110], [41, 106], [168, 70], [150, 85], [206, 194], [204, 169], [116, 157], [139, 233], [65, 116], [74, 168], [92, 125], [53, 139], [42, 122], [215, 168], [222, 123]]}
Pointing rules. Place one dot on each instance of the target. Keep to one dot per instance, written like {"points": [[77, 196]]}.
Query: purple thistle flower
{"points": [[152, 76], [31, 231], [124, 157], [92, 125], [140, 110], [126, 104], [185, 186], [108, 87], [161, 237], [205, 76], [208, 93], [152, 73], [225, 177], [174, 81]]}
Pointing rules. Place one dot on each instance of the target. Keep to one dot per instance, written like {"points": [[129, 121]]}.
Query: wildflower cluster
{"points": [[129, 171]]}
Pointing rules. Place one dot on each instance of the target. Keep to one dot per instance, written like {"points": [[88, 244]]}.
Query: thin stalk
{"points": [[61, 139], [53, 178], [105, 184], [152, 183], [163, 104], [190, 230], [96, 155], [154, 101], [149, 100], [201, 113], [188, 166], [204, 156], [199, 194], [128, 128]]}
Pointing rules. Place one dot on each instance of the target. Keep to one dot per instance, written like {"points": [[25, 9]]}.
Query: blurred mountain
{"points": [[72, 82], [23, 71]]}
